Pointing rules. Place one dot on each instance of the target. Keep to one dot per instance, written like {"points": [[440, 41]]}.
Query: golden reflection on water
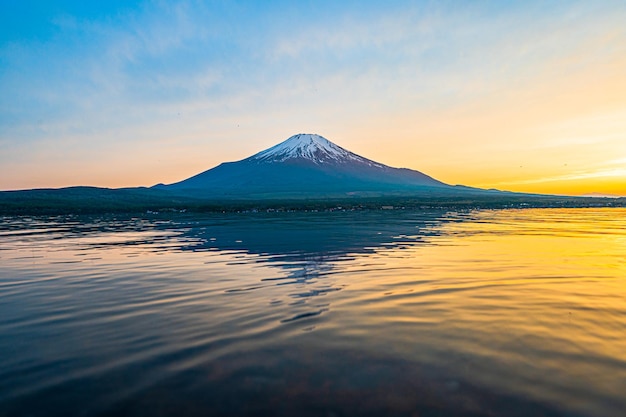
{"points": [[533, 297], [530, 303]]}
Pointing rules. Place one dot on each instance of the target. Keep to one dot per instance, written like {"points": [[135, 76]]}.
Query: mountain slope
{"points": [[304, 164], [304, 172]]}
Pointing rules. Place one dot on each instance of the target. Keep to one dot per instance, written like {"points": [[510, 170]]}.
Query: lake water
{"points": [[395, 313]]}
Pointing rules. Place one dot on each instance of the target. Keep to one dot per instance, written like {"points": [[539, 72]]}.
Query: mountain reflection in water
{"points": [[484, 313]]}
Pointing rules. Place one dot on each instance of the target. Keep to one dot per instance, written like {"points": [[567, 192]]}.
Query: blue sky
{"points": [[135, 93]]}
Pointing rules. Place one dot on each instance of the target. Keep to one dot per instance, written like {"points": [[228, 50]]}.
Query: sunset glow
{"points": [[527, 96]]}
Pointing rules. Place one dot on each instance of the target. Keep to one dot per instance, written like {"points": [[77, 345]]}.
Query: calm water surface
{"points": [[397, 313]]}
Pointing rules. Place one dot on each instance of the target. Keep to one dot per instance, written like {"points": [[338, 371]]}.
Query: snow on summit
{"points": [[311, 147], [304, 164]]}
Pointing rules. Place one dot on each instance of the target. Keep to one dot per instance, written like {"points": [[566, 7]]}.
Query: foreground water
{"points": [[485, 313]]}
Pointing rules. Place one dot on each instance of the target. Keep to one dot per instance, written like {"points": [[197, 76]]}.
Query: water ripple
{"points": [[509, 313]]}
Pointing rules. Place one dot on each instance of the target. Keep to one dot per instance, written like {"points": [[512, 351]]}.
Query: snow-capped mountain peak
{"points": [[311, 147], [305, 164]]}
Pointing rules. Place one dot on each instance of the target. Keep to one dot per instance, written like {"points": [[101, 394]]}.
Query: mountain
{"points": [[304, 172], [305, 165]]}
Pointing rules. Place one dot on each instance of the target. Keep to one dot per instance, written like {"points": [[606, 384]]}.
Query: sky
{"points": [[522, 96]]}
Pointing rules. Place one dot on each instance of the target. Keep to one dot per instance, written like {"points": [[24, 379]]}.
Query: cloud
{"points": [[575, 176], [193, 73]]}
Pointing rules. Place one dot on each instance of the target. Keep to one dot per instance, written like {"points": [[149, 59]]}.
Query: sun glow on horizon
{"points": [[522, 97]]}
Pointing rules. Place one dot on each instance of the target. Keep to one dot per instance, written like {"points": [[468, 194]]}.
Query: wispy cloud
{"points": [[196, 73], [603, 173]]}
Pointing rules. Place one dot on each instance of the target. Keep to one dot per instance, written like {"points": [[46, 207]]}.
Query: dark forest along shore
{"points": [[397, 313]]}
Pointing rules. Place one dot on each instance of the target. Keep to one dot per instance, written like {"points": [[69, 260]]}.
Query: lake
{"points": [[365, 313]]}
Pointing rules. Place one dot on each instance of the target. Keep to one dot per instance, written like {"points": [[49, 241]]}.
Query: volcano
{"points": [[305, 171], [304, 165]]}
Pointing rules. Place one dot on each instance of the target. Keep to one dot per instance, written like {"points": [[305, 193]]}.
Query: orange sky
{"points": [[517, 97]]}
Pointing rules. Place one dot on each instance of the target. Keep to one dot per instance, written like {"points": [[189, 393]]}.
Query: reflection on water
{"points": [[482, 313]]}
